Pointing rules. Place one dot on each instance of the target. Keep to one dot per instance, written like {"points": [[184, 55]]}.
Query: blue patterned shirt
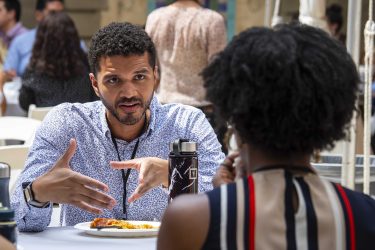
{"points": [[95, 149]]}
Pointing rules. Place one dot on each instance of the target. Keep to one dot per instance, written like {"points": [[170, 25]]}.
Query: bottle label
{"points": [[183, 176], [193, 173]]}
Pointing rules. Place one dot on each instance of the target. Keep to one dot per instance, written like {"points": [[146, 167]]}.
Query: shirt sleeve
{"points": [[43, 154], [217, 36], [210, 154], [12, 60], [83, 46]]}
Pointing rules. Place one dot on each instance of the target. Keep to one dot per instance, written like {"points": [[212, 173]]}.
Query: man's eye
{"points": [[113, 80], [139, 77]]}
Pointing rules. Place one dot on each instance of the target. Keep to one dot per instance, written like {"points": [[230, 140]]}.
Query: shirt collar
{"points": [[15, 30], [154, 106]]}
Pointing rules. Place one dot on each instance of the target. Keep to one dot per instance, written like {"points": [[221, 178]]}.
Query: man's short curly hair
{"points": [[286, 90], [120, 39]]}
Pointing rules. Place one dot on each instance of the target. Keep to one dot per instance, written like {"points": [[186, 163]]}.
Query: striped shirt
{"points": [[257, 212]]}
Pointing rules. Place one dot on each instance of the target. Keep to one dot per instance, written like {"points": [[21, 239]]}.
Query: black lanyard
{"points": [[125, 175]]}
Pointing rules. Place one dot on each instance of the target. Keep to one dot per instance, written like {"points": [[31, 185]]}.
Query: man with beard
{"points": [[78, 151]]}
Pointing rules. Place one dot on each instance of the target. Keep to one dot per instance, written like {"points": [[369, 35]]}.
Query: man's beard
{"points": [[128, 119]]}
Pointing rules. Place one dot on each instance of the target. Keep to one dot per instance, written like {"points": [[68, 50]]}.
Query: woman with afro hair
{"points": [[286, 92]]}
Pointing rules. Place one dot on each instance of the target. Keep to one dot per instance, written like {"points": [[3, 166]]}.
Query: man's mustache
{"points": [[125, 100]]}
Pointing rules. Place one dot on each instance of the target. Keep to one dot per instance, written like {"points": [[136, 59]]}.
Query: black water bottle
{"points": [[183, 168], [4, 184], [8, 227]]}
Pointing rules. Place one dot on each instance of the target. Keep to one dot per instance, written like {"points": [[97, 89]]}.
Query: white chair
{"points": [[15, 156], [38, 113], [18, 128]]}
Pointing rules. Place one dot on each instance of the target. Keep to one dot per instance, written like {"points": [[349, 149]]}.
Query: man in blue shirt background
{"points": [[10, 25], [20, 51], [109, 157]]}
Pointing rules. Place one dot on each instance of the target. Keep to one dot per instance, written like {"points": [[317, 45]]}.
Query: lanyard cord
{"points": [[125, 175]]}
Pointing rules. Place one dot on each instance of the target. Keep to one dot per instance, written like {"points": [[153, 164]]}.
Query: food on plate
{"points": [[121, 224]]}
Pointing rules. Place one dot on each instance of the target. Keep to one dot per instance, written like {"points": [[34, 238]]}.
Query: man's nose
{"points": [[128, 90]]}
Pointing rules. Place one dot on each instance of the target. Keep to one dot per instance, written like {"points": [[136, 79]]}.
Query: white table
{"points": [[62, 238]]}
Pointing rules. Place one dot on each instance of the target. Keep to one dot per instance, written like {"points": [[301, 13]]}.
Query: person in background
{"points": [[335, 21], [73, 151], [10, 25], [10, 28], [186, 37], [58, 69], [19, 52], [278, 119]]}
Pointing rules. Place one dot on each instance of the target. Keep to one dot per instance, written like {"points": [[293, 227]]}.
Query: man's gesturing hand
{"points": [[63, 185], [153, 171]]}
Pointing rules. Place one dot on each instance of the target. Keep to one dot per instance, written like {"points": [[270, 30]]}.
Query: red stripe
{"points": [[349, 212], [251, 213]]}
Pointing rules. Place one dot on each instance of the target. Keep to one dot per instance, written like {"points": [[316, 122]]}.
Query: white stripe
{"points": [[301, 220], [223, 221], [337, 215], [240, 214]]}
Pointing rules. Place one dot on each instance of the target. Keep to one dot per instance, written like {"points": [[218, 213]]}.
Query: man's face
{"points": [[125, 84], [5, 15], [54, 6]]}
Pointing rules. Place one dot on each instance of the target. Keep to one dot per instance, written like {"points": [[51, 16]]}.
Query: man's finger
{"points": [[69, 152], [139, 192], [94, 202], [87, 207], [97, 195], [131, 164], [90, 182]]}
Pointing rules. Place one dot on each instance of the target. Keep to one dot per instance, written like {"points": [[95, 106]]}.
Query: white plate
{"points": [[114, 232]]}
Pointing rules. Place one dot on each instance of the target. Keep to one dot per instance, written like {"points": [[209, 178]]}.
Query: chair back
{"points": [[38, 113], [18, 128], [15, 156], [330, 167]]}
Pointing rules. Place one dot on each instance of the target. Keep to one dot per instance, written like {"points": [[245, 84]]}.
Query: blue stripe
{"points": [[312, 224], [232, 216], [347, 229], [289, 213], [213, 238], [247, 220], [363, 208]]}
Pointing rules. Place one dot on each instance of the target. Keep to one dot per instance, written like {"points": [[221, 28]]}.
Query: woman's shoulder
{"points": [[186, 215]]}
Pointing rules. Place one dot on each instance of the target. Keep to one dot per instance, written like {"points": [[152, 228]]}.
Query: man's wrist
{"points": [[35, 189], [30, 197]]}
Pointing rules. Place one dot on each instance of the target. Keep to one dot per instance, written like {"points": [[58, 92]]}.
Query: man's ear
{"points": [[94, 84], [13, 13], [39, 15]]}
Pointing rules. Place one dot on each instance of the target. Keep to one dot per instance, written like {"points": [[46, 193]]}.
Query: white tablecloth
{"points": [[63, 238]]}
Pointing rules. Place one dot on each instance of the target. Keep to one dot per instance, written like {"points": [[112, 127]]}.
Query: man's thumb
{"points": [[69, 152]]}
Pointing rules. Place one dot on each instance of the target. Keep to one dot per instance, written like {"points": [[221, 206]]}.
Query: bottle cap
{"points": [[183, 146], [4, 170]]}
